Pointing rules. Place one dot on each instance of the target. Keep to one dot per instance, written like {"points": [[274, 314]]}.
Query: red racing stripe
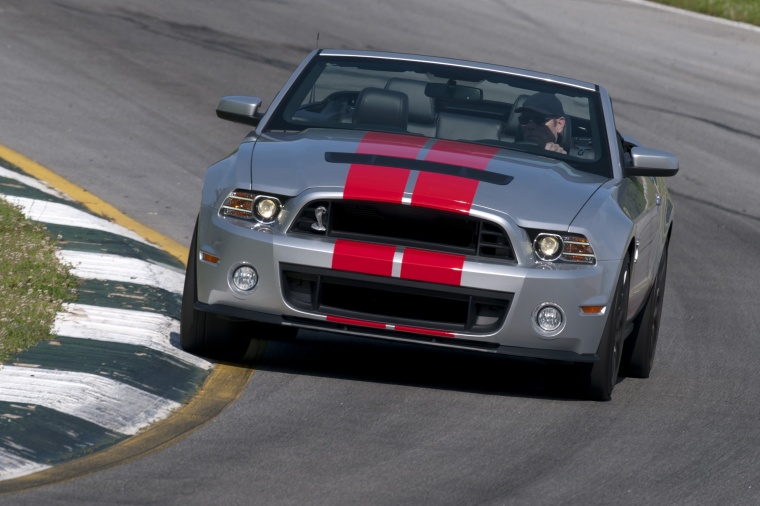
{"points": [[382, 184], [351, 321], [363, 257], [429, 332], [400, 146], [378, 184], [451, 193], [419, 265], [398, 328]]}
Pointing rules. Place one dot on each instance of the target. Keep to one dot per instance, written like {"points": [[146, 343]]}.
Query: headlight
{"points": [[248, 205], [267, 208], [551, 247], [548, 247]]}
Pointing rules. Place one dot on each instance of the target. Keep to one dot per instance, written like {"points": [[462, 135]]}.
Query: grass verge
{"points": [[33, 283], [742, 11]]}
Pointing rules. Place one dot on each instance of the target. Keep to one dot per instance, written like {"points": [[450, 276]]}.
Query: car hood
{"points": [[534, 191]]}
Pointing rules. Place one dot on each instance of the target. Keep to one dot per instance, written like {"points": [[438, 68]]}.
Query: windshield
{"points": [[448, 102]]}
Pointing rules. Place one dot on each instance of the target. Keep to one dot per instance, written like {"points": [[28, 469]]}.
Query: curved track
{"points": [[119, 98]]}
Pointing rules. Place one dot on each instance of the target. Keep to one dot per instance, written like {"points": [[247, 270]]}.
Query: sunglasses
{"points": [[538, 119]]}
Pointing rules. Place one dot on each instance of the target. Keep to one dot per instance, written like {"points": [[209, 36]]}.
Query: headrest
{"points": [[421, 107], [460, 127], [511, 127], [384, 108]]}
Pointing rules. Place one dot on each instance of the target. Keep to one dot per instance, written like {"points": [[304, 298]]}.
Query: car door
{"points": [[639, 198]]}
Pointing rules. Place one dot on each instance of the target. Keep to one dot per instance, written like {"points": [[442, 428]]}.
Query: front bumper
{"points": [[491, 308]]}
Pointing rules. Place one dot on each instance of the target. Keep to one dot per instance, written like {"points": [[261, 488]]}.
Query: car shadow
{"points": [[364, 359]]}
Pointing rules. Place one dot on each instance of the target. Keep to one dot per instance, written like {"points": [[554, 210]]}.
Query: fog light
{"points": [[245, 278], [548, 319]]}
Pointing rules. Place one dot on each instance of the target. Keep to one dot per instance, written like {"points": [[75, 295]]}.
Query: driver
{"points": [[542, 119]]}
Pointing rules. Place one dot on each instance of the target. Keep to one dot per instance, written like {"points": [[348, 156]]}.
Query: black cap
{"points": [[543, 103]]}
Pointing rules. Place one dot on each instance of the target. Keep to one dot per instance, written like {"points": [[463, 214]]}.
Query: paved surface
{"points": [[118, 97]]}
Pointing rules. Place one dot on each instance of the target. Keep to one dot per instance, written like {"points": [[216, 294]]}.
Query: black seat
{"points": [[467, 128], [421, 107], [512, 130], [386, 109], [566, 136]]}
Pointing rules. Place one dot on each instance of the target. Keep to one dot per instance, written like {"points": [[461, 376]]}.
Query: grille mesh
{"points": [[393, 301], [407, 226]]}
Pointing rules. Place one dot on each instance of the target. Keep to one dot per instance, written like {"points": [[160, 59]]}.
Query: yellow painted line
{"points": [[223, 386], [93, 203]]}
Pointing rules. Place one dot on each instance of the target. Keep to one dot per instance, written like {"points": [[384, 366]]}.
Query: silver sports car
{"points": [[434, 201]]}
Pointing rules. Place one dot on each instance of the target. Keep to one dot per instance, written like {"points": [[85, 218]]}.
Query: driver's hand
{"points": [[553, 146]]}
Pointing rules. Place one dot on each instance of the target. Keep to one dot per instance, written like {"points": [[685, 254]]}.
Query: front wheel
{"points": [[641, 346], [603, 374], [204, 333]]}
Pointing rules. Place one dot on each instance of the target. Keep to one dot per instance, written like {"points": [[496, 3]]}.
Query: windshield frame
{"points": [[485, 77]]}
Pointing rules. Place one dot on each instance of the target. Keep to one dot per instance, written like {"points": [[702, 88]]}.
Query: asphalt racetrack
{"points": [[119, 98]]}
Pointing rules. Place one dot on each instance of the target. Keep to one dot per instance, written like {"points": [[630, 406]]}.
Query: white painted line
{"points": [[33, 183], [64, 214], [13, 466], [139, 328], [127, 270], [102, 401]]}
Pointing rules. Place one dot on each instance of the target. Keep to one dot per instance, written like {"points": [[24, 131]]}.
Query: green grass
{"points": [[33, 283], [743, 11]]}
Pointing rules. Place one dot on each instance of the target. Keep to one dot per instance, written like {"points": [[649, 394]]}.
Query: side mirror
{"points": [[243, 110], [651, 162]]}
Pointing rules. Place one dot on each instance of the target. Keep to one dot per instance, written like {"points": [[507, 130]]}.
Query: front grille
{"points": [[394, 301], [406, 226]]}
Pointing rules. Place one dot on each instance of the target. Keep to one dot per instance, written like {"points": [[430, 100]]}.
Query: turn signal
{"points": [[238, 204], [208, 257]]}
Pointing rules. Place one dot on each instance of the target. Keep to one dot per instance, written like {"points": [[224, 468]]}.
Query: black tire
{"points": [[215, 337], [642, 344], [603, 374], [204, 333]]}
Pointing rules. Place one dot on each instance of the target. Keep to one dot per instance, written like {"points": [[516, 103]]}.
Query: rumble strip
{"points": [[116, 366]]}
